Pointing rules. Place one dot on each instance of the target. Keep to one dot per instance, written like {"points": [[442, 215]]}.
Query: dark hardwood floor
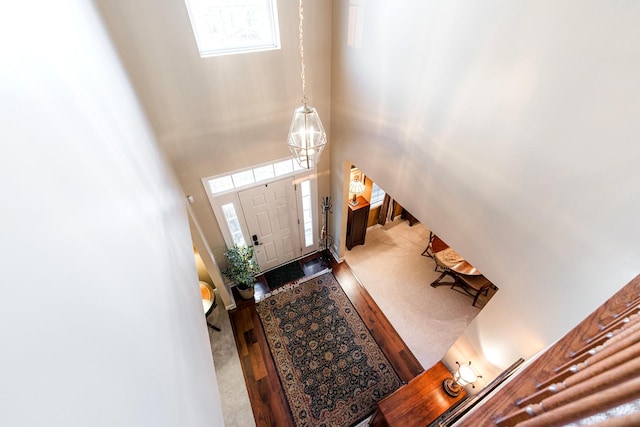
{"points": [[267, 398]]}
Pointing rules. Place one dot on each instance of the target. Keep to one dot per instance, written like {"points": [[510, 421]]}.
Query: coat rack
{"points": [[325, 238]]}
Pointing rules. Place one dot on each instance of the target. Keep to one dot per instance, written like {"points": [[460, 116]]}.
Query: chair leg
{"points": [[484, 290], [427, 252], [438, 282], [475, 299]]}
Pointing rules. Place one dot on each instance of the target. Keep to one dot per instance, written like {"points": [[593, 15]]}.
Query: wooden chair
{"points": [[472, 285], [427, 251], [435, 245]]}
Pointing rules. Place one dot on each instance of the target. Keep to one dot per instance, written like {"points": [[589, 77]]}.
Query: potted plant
{"points": [[242, 269]]}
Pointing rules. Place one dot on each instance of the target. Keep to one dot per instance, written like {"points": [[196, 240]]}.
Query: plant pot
{"points": [[246, 293]]}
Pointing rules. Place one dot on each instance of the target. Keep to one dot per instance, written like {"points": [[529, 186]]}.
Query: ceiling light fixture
{"points": [[307, 137]]}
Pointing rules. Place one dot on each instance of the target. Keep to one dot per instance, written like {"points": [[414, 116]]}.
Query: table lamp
{"points": [[463, 376], [356, 187]]}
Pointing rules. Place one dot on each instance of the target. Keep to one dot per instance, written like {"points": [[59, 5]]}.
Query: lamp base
{"points": [[451, 387], [353, 203]]}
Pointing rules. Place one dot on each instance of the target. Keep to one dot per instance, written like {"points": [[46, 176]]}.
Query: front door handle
{"points": [[255, 240]]}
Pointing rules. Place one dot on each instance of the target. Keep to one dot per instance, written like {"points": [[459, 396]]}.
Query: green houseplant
{"points": [[242, 269]]}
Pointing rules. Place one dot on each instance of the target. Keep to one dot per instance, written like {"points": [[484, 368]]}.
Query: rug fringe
{"points": [[293, 284]]}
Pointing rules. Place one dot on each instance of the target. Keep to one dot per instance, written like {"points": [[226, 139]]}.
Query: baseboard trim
{"points": [[335, 256]]}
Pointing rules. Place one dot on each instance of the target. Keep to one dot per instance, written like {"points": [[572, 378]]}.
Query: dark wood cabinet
{"points": [[357, 223]]}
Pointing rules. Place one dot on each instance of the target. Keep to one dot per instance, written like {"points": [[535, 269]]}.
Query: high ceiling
{"points": [[203, 109]]}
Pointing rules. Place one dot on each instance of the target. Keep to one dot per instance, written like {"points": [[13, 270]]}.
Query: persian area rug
{"points": [[331, 369], [282, 275]]}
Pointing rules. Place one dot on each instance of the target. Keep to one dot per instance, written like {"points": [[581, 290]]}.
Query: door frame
{"points": [[217, 201]]}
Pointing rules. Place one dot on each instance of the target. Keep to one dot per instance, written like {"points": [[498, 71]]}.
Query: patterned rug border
{"points": [[292, 285]]}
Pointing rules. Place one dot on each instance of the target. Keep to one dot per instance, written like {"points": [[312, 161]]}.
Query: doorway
{"points": [[272, 207]]}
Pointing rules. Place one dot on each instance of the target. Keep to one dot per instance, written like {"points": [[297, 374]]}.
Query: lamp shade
{"points": [[307, 137], [465, 375], [356, 187]]}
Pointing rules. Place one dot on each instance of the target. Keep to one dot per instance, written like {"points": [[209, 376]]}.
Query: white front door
{"points": [[271, 215]]}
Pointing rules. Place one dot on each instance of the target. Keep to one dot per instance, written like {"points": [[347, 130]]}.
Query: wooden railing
{"points": [[592, 369]]}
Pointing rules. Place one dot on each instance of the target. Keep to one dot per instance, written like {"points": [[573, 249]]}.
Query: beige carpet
{"points": [[236, 407], [391, 268]]}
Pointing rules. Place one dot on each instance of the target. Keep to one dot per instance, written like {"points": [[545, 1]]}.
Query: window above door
{"points": [[245, 178], [226, 27]]}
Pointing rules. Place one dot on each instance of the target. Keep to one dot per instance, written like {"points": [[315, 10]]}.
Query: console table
{"points": [[417, 403]]}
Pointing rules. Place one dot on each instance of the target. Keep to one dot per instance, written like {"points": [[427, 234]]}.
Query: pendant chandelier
{"points": [[307, 137]]}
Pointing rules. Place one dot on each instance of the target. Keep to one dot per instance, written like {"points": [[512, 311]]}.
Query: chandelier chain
{"points": [[301, 43]]}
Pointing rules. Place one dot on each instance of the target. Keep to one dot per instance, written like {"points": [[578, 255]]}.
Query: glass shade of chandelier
{"points": [[307, 138]]}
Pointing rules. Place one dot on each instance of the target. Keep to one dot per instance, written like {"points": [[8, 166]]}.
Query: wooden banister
{"points": [[611, 356], [610, 339], [587, 406], [524, 383], [567, 393], [620, 323], [630, 308]]}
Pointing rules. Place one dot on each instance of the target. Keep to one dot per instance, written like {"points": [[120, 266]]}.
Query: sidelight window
{"points": [[233, 223], [307, 212]]}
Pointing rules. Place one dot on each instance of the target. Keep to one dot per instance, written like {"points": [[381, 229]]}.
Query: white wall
{"points": [[216, 115], [101, 322], [511, 129]]}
